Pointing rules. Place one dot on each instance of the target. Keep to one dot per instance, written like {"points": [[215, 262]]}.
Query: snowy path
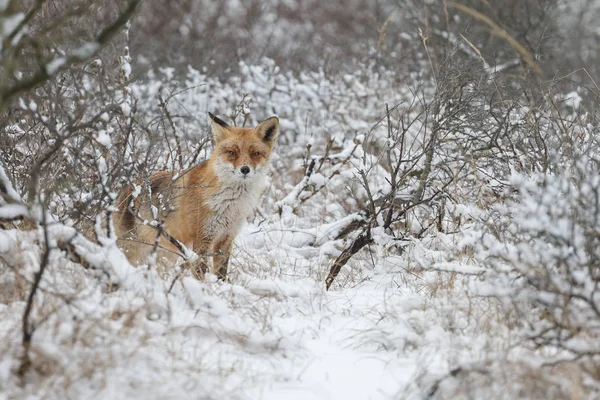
{"points": [[338, 365], [367, 340]]}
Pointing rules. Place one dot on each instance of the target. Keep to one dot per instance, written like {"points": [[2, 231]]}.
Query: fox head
{"points": [[243, 154]]}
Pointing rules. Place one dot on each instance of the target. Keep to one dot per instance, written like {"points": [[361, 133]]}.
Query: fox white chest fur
{"points": [[232, 205]]}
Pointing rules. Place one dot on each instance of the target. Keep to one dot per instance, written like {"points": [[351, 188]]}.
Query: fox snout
{"points": [[244, 172], [226, 169]]}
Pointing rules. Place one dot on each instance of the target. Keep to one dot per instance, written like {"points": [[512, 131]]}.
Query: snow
{"points": [[7, 241], [270, 334], [104, 139], [86, 50], [573, 99], [82, 53], [6, 185], [126, 68], [12, 211], [10, 23], [53, 66], [125, 108]]}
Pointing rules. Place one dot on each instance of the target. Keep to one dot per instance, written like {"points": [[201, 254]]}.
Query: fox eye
{"points": [[256, 154], [231, 153]]}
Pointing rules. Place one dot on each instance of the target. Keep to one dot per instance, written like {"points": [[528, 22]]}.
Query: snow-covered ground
{"points": [[388, 330]]}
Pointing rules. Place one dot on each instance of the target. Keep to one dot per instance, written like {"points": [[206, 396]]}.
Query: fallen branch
{"points": [[361, 241]]}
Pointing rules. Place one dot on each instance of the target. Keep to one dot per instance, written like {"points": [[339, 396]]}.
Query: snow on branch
{"points": [[106, 257], [48, 69]]}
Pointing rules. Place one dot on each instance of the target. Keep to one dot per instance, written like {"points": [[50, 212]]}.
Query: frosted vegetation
{"points": [[430, 226]]}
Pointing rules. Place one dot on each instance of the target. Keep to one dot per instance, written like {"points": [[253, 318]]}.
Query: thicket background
{"points": [[440, 157]]}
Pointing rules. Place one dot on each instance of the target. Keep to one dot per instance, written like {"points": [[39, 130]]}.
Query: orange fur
{"points": [[203, 207]]}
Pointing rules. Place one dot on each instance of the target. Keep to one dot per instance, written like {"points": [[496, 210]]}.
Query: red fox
{"points": [[204, 207]]}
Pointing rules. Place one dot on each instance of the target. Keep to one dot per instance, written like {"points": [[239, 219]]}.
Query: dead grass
{"points": [[507, 379]]}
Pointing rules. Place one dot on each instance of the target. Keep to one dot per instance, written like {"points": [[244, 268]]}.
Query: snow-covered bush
{"points": [[543, 244], [538, 243], [450, 196]]}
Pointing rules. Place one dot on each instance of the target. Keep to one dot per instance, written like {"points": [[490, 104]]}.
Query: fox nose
{"points": [[245, 170]]}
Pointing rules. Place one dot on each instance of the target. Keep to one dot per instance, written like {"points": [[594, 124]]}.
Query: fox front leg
{"points": [[222, 250], [199, 266]]}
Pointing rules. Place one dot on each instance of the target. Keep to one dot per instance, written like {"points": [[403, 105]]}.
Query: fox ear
{"points": [[268, 130], [219, 127]]}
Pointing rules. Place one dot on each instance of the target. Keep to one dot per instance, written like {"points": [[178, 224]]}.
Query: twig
{"points": [[28, 328], [163, 106], [496, 30]]}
